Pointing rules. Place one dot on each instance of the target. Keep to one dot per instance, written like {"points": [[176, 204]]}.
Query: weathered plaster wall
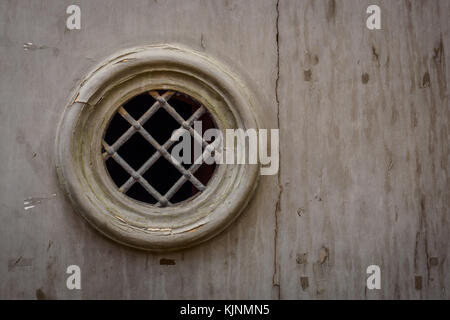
{"points": [[364, 150], [364, 121]]}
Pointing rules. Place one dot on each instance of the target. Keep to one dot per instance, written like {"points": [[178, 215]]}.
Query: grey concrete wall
{"points": [[363, 118]]}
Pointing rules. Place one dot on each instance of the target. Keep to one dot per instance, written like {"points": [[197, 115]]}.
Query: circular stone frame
{"points": [[81, 169]]}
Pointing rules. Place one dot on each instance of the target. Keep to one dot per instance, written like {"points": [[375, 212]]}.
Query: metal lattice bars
{"points": [[178, 118], [192, 169], [127, 185], [161, 150], [142, 120], [161, 199]]}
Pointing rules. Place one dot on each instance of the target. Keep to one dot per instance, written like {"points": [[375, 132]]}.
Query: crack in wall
{"points": [[276, 274]]}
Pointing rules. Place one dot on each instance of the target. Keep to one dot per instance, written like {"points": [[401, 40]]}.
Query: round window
{"points": [[115, 141]]}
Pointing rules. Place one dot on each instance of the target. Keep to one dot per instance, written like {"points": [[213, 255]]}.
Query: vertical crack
{"points": [[276, 271], [277, 39]]}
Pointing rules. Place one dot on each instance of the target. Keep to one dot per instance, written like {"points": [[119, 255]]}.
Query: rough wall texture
{"points": [[364, 121], [364, 136]]}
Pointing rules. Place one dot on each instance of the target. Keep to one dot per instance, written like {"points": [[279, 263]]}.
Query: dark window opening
{"points": [[162, 175]]}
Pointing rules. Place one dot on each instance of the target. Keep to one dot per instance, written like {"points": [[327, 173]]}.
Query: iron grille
{"points": [[137, 126]]}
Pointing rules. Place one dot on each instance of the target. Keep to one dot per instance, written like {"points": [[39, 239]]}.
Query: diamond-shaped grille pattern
{"points": [[137, 126]]}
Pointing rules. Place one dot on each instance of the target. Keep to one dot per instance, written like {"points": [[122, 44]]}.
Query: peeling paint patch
{"points": [[29, 46], [301, 212], [426, 80], [365, 78], [30, 203], [307, 74], [321, 269], [323, 255], [304, 282], [302, 258], [418, 282], [40, 295]]}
